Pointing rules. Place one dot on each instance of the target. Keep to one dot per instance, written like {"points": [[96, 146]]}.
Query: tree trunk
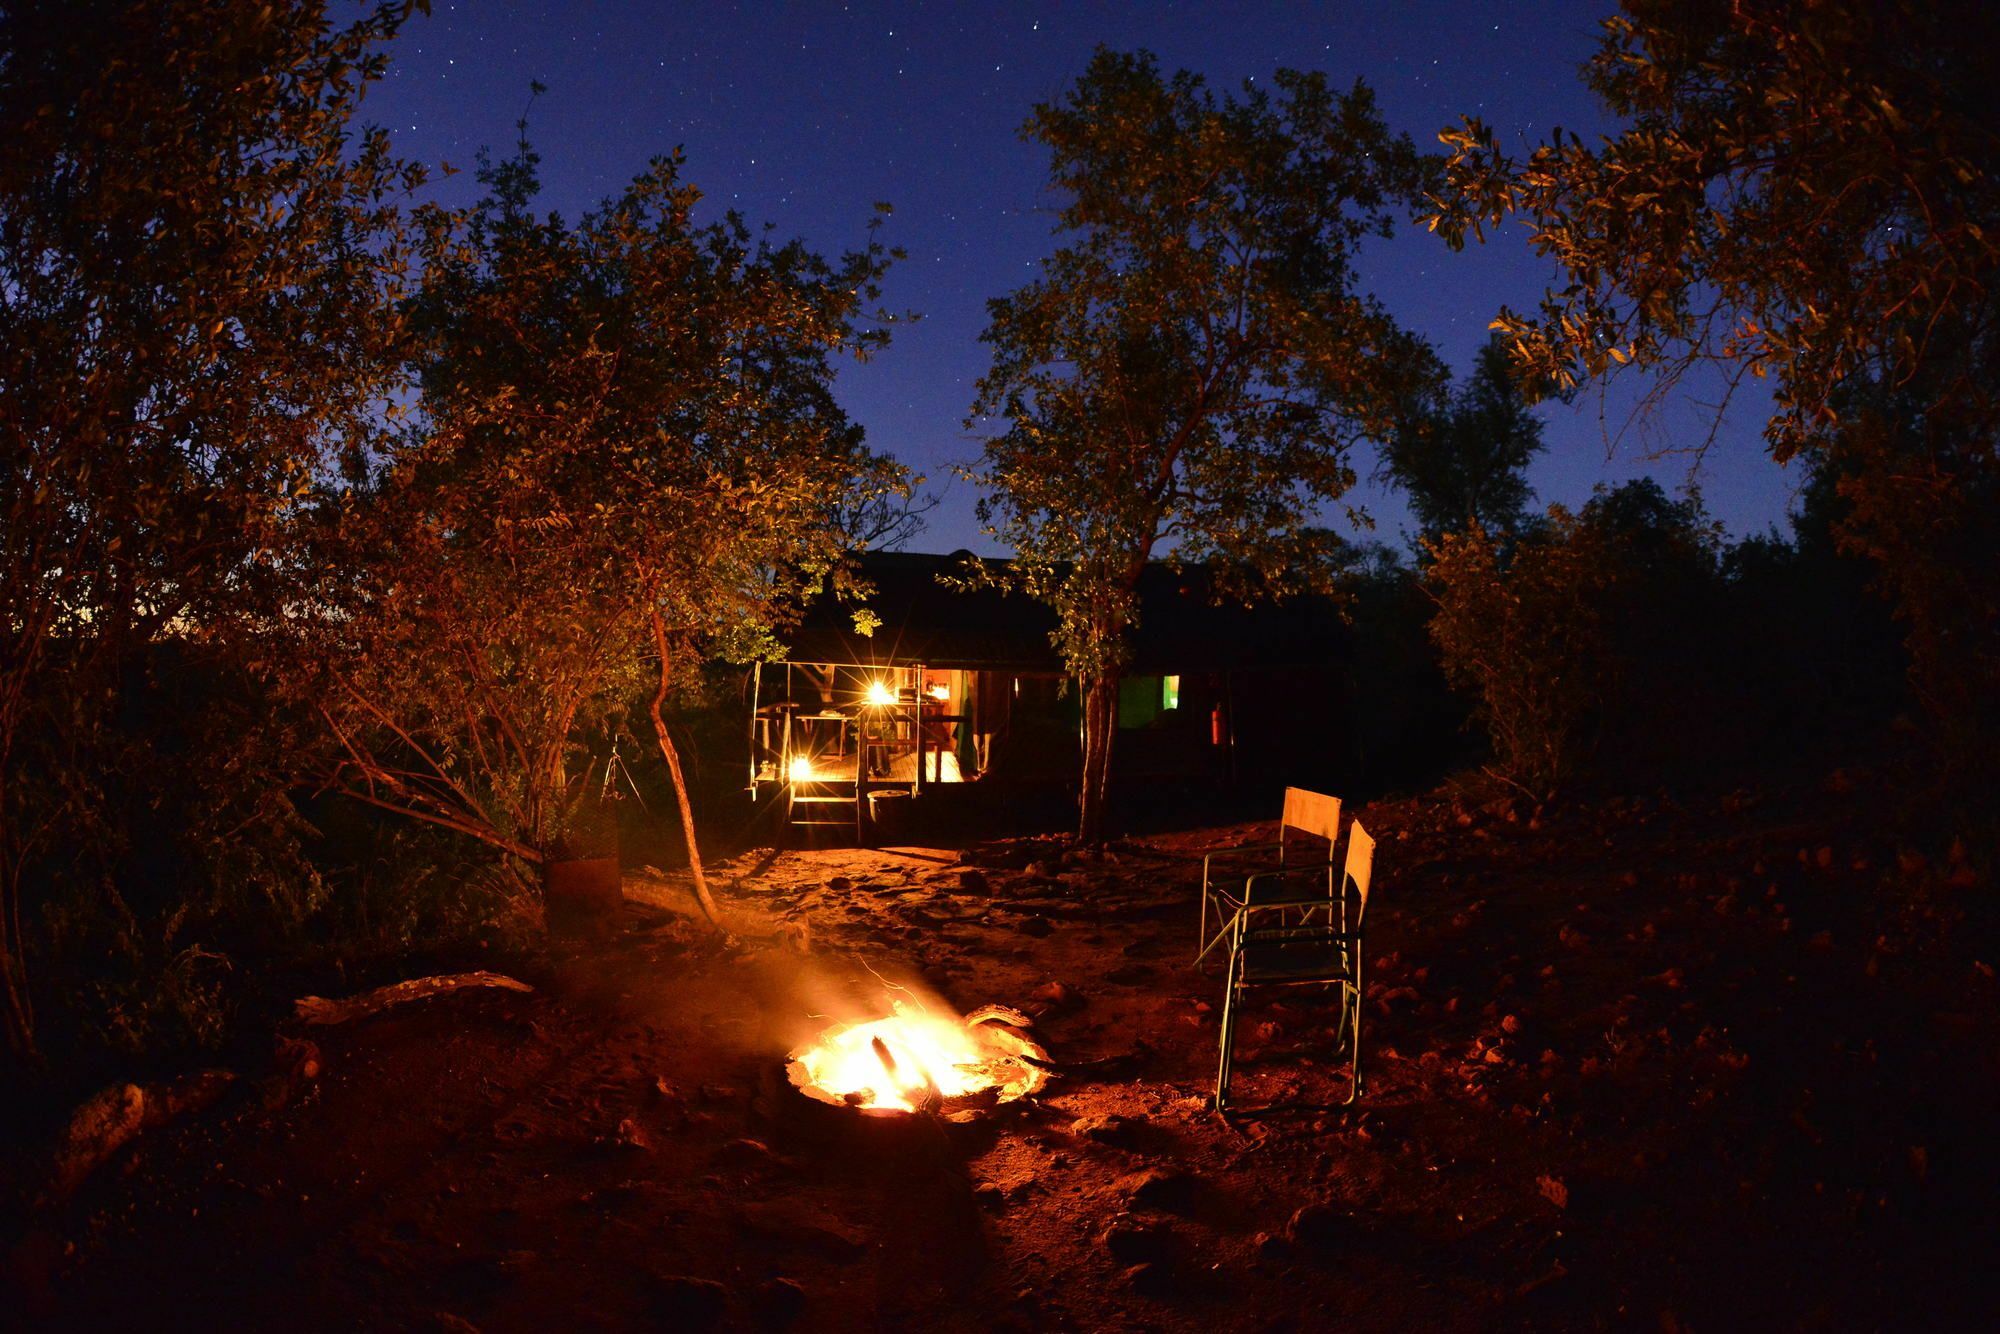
{"points": [[673, 759], [16, 1010], [1100, 726]]}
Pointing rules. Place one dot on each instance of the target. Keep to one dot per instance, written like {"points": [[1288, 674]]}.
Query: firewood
{"points": [[319, 1010]]}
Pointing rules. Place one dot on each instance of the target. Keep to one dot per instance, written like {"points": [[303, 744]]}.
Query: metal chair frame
{"points": [[1311, 813], [1320, 953]]}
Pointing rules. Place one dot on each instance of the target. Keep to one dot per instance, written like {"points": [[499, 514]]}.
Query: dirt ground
{"points": [[1721, 1066]]}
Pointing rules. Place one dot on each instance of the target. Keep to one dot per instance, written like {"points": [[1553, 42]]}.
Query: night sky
{"points": [[805, 114]]}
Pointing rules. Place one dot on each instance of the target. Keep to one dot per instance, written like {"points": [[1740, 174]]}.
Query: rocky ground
{"points": [[1726, 1064]]}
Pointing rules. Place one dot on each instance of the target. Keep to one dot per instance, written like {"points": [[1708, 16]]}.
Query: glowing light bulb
{"points": [[879, 693], [802, 770]]}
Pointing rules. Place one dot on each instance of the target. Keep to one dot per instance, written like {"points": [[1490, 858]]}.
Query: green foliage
{"points": [[1192, 368], [1462, 457], [1805, 193], [198, 258]]}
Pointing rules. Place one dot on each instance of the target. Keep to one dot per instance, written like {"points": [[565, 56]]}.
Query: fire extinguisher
{"points": [[1218, 726]]}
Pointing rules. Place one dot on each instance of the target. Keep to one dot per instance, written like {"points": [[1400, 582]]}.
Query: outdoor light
{"points": [[879, 693], [802, 770]]}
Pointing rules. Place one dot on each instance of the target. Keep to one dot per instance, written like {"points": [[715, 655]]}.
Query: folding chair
{"points": [[1310, 813], [1305, 953]]}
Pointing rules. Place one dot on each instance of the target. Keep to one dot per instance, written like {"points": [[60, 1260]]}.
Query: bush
{"points": [[1586, 623]]}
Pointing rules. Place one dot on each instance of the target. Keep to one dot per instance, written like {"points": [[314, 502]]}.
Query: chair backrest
{"points": [[1360, 865], [1312, 813]]}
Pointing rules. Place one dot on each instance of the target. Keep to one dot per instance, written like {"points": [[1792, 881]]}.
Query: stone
{"points": [[1131, 1242], [779, 1303], [1318, 1226], [1108, 1129], [974, 881], [1061, 995], [686, 1302], [1160, 1188], [1152, 1279]]}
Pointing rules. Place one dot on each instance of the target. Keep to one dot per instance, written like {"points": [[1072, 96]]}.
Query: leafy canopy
{"points": [[622, 421], [199, 251], [1809, 193], [1192, 367], [1800, 191]]}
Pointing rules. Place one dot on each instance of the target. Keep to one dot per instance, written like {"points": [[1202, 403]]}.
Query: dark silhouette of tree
{"points": [[198, 255], [1462, 457], [1188, 375], [1806, 193]]}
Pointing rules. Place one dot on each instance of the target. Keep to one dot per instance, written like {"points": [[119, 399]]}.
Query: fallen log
{"points": [[113, 1118], [320, 1010]]}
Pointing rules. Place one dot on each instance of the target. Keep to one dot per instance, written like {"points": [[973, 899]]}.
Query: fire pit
{"points": [[913, 1060]]}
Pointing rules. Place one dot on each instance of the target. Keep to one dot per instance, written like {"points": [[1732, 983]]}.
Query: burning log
{"points": [[915, 1061]]}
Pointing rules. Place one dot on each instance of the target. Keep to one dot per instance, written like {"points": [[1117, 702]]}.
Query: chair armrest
{"points": [[1281, 875], [1209, 858]]}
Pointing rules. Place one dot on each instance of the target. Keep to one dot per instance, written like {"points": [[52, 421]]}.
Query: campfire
{"points": [[916, 1060]]}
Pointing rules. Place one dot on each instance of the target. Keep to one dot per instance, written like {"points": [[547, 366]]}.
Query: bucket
{"points": [[889, 814]]}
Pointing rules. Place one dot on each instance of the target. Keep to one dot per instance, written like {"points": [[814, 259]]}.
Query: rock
{"points": [[767, 1228], [685, 1302], [1131, 1242], [1160, 1188], [747, 1153], [100, 1127], [1061, 995], [837, 883], [1153, 1279], [299, 1058], [1109, 1129], [974, 881], [1319, 1226], [1036, 926], [779, 1303]]}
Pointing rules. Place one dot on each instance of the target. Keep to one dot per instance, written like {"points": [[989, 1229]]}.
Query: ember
{"points": [[913, 1059]]}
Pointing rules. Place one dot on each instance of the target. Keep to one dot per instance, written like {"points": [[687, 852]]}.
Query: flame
{"points": [[940, 692], [879, 693], [893, 1062]]}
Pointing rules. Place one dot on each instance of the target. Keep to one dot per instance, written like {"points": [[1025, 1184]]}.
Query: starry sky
{"points": [[805, 114]]}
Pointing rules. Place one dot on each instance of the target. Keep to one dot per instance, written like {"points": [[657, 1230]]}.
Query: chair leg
{"points": [[1351, 1002], [1222, 1070]]}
